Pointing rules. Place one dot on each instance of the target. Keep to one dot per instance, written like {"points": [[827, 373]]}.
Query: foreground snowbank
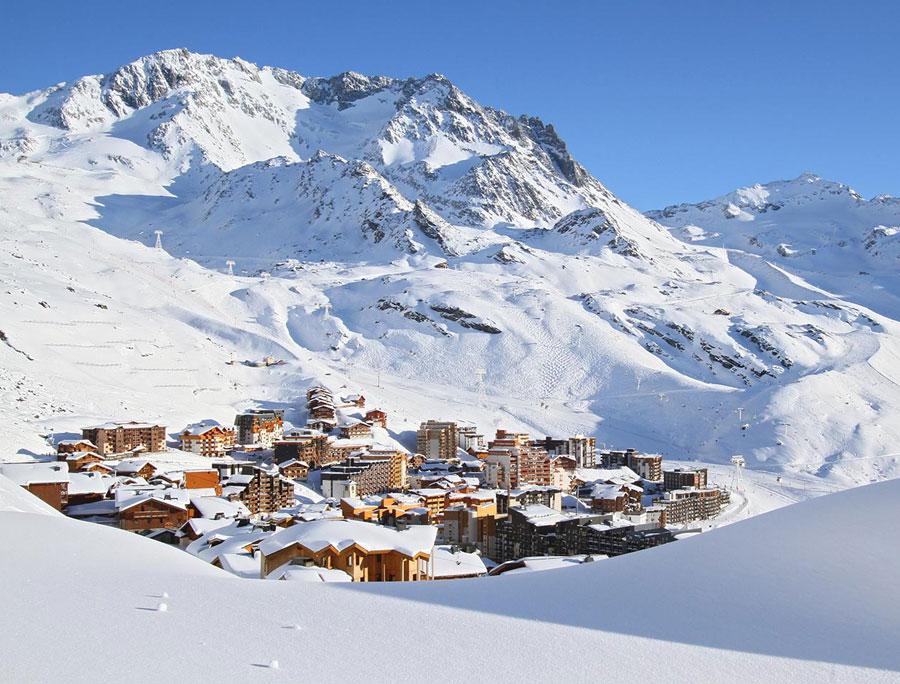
{"points": [[801, 593]]}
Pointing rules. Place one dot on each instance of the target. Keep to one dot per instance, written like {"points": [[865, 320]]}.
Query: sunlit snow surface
{"points": [[779, 597]]}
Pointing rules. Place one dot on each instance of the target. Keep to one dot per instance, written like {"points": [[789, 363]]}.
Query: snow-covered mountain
{"points": [[395, 236], [818, 228]]}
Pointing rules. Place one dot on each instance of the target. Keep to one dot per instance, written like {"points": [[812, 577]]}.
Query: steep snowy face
{"points": [[473, 165], [327, 207], [820, 228], [799, 217], [181, 104]]}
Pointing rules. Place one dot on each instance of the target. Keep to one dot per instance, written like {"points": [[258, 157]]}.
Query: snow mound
{"points": [[777, 597]]}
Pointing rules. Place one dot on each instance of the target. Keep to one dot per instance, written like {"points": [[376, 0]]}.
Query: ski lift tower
{"points": [[158, 234], [230, 265], [737, 478]]}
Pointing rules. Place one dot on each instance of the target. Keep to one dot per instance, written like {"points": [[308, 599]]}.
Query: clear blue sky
{"points": [[663, 101]]}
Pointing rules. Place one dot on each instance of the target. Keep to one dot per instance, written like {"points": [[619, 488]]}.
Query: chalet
{"points": [[294, 469], [88, 487], [47, 481], [99, 467], [357, 400], [153, 511], [117, 438], [586, 477], [376, 417], [355, 430], [69, 446], [136, 468], [208, 438], [218, 508], [77, 460], [365, 551]]}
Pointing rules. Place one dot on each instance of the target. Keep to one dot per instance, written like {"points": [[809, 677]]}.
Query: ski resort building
{"points": [[437, 439], [309, 446], [692, 503], [77, 460], [117, 438], [355, 429], [153, 511], [69, 446], [260, 427], [260, 491], [47, 481], [682, 478], [376, 417], [207, 439], [365, 551], [648, 466], [294, 469], [537, 530], [365, 473]]}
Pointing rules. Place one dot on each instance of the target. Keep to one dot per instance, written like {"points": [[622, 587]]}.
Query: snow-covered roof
{"points": [[244, 565], [538, 514], [603, 491], [540, 563], [620, 475], [233, 538], [77, 455], [211, 506], [89, 483], [43, 472], [75, 442], [202, 428], [341, 534], [446, 563], [130, 424], [132, 465], [168, 497], [308, 573]]}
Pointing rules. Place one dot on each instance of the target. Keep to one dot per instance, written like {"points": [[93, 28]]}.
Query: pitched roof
{"points": [[47, 472], [342, 534]]}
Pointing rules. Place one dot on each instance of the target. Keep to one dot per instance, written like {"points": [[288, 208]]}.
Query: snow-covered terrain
{"points": [[447, 259], [779, 597]]}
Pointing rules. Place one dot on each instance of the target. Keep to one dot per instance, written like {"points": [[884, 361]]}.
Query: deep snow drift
{"points": [[800, 594], [395, 237]]}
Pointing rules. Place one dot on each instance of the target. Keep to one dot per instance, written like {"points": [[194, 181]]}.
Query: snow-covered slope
{"points": [[396, 237], [820, 229], [801, 594]]}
